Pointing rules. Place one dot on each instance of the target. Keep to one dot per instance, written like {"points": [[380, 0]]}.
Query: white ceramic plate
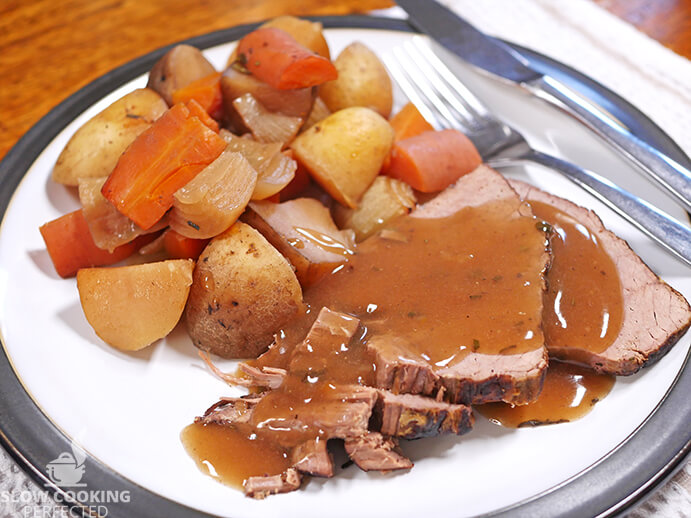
{"points": [[127, 410]]}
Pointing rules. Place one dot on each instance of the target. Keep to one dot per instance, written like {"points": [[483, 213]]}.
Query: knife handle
{"points": [[663, 228], [668, 173]]}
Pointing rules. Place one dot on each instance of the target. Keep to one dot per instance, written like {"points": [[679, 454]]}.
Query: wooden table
{"points": [[48, 49]]}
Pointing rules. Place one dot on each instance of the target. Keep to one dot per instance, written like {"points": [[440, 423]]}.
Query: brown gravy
{"points": [[569, 392], [583, 303], [233, 454], [307, 406], [442, 284], [466, 283]]}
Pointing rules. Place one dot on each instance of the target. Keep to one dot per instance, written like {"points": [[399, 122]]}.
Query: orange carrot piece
{"points": [[433, 160], [181, 247], [196, 110], [206, 91], [160, 161], [71, 247], [409, 122], [273, 55]]}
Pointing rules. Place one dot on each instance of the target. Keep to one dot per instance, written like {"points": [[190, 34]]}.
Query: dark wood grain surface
{"points": [[48, 49], [667, 21]]}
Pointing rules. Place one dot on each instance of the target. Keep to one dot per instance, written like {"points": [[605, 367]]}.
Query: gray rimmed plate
{"points": [[61, 386]]}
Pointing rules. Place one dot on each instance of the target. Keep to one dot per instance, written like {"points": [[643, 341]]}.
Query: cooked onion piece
{"points": [[215, 198], [303, 231], [109, 227], [266, 126], [385, 200], [274, 169], [278, 173]]}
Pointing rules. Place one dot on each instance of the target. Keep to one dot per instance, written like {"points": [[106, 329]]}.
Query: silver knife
{"points": [[489, 54]]}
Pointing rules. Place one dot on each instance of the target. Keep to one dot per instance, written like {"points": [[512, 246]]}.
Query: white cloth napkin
{"points": [[595, 42], [657, 81]]}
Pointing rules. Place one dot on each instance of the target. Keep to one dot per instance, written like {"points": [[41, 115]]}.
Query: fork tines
{"points": [[427, 82]]}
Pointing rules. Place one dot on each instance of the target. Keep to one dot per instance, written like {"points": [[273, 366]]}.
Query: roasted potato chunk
{"points": [[244, 290], [177, 68], [345, 151], [131, 307], [306, 33], [385, 200], [295, 102], [95, 148], [303, 231], [362, 81]]}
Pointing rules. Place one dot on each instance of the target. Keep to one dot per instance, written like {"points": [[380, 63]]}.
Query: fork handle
{"points": [[663, 228], [668, 173]]}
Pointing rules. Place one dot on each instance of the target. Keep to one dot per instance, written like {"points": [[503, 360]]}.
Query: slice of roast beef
{"points": [[344, 413], [655, 314], [331, 331], [374, 452], [252, 377], [230, 410], [411, 417], [477, 378], [261, 487], [313, 458], [266, 377]]}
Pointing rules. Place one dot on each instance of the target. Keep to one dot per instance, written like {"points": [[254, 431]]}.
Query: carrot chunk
{"points": [[433, 160], [275, 57], [206, 91], [409, 122], [71, 246], [159, 162], [196, 110], [181, 247]]}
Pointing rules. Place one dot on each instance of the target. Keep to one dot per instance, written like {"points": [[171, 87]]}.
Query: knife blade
{"points": [[492, 55]]}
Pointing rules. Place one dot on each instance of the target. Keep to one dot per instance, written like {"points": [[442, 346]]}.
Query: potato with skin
{"points": [[131, 307], [176, 69], [95, 148], [306, 33], [362, 81], [243, 291], [295, 103], [345, 151]]}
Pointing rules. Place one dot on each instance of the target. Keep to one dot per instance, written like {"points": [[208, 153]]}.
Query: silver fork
{"points": [[447, 103]]}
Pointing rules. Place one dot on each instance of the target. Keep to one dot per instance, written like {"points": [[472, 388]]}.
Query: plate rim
{"points": [[658, 448]]}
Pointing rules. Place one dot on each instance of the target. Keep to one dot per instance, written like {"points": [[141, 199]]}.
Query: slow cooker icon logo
{"points": [[68, 469]]}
